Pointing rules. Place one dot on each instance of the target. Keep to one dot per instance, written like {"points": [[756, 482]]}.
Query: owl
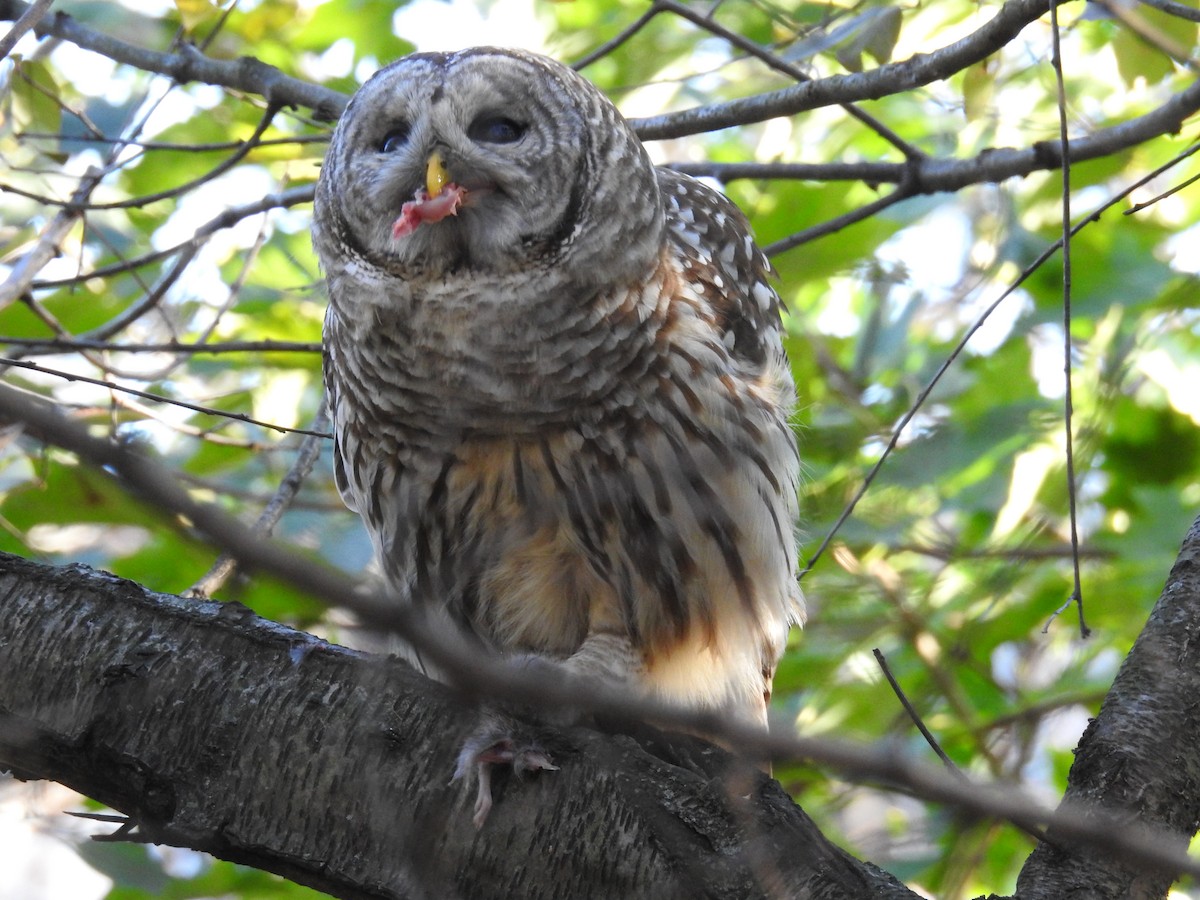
{"points": [[560, 398]]}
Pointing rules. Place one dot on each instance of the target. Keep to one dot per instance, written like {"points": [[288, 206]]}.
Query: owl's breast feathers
{"points": [[620, 463]]}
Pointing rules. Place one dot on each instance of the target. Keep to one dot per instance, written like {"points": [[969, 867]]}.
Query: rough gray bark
{"points": [[212, 728], [215, 729], [1138, 762]]}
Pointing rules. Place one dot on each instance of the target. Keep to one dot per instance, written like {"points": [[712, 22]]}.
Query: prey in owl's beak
{"points": [[439, 198]]}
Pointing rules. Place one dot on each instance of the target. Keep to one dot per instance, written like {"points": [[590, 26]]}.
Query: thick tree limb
{"points": [[1131, 842], [485, 676], [1138, 762], [215, 729]]}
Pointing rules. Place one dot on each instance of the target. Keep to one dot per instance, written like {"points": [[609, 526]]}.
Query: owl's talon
{"points": [[476, 760]]}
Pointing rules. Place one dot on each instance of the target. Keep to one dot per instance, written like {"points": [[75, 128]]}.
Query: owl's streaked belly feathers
{"points": [[653, 499]]}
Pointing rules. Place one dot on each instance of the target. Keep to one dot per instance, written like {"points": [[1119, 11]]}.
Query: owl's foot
{"points": [[498, 741]]}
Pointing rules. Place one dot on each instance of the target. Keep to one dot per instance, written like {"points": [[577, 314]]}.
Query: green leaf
{"points": [[34, 92]]}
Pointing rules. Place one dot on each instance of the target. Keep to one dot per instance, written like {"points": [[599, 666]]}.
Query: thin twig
{"points": [[623, 36], [213, 147], [146, 395], [794, 72], [248, 258], [1138, 207], [1023, 554], [1174, 9], [210, 435], [845, 220], [244, 148], [1094, 216], [226, 219], [1068, 406], [1033, 831], [306, 457], [20, 278], [59, 345], [913, 714]]}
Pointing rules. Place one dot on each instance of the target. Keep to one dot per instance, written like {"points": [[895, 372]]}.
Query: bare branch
{"points": [[245, 74], [146, 395], [59, 345], [212, 147], [624, 36], [125, 695], [243, 149], [306, 458], [940, 174], [227, 219], [20, 279], [787, 68], [1181, 10], [892, 78], [253, 76], [28, 19], [1150, 716]]}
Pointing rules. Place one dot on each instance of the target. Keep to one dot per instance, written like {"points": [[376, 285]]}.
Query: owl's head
{"points": [[554, 178]]}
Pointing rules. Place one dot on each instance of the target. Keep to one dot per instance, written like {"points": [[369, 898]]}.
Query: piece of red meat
{"points": [[424, 208]]}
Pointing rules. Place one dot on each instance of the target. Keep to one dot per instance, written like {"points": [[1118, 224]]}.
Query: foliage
{"points": [[957, 557]]}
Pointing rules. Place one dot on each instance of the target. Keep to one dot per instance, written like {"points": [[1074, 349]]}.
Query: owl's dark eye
{"points": [[496, 130], [395, 139]]}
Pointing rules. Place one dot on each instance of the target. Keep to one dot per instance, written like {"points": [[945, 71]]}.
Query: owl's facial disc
{"points": [[464, 161], [542, 162]]}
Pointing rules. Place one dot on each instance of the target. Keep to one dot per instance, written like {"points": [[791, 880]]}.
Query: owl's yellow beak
{"points": [[436, 176]]}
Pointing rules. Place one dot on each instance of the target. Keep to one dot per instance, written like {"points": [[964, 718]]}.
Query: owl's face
{"points": [[553, 176]]}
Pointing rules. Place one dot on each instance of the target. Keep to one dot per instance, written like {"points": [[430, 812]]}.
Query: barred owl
{"points": [[559, 393]]}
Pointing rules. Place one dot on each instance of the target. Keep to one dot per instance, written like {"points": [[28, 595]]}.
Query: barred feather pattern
{"points": [[563, 415]]}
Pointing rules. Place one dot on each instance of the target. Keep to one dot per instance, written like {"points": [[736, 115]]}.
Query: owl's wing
{"points": [[725, 265], [330, 366]]}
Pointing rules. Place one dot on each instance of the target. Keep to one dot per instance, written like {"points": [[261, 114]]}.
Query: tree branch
{"points": [[1139, 759], [253, 76], [1174, 9], [214, 729], [479, 674], [931, 175], [893, 78], [33, 14], [189, 64]]}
